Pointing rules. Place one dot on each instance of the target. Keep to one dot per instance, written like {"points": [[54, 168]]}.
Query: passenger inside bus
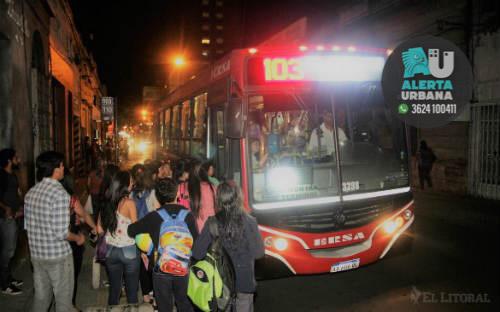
{"points": [[321, 140], [258, 159]]}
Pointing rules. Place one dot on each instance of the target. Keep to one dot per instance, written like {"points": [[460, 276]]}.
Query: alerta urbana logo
{"points": [[417, 63]]}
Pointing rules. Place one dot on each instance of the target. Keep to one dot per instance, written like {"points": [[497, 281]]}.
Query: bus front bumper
{"points": [[314, 253]]}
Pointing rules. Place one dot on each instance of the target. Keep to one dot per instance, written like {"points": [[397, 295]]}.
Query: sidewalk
{"points": [[481, 214], [88, 299]]}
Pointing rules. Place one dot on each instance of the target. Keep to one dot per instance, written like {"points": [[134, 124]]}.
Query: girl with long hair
{"points": [[241, 239], [122, 258], [99, 200], [144, 196], [201, 195]]}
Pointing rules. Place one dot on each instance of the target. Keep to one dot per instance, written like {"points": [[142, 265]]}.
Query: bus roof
{"points": [[214, 79]]}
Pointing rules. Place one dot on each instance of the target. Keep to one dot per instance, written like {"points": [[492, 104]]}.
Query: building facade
{"points": [[468, 149], [24, 81], [49, 86]]}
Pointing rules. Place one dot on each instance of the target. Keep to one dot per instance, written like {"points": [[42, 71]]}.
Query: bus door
{"points": [[217, 140]]}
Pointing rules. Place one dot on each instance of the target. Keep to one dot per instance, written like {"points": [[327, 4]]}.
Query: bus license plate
{"points": [[344, 266]]}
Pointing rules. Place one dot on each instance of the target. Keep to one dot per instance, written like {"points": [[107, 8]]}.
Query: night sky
{"points": [[130, 39]]}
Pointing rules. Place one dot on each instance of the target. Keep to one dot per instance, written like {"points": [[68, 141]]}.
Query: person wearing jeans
{"points": [[57, 274], [47, 219], [10, 209], [123, 262], [8, 242], [122, 257]]}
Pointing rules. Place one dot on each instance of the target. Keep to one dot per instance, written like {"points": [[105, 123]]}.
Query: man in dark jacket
{"points": [[165, 285], [426, 159], [10, 209]]}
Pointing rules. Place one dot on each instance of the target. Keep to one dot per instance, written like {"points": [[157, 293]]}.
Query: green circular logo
{"points": [[427, 82]]}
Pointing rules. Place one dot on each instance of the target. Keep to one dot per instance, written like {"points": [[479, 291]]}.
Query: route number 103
{"points": [[283, 69]]}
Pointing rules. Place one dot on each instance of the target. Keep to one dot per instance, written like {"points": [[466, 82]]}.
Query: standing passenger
{"points": [[10, 210], [166, 285], [122, 259], [426, 159], [201, 195], [77, 214], [240, 237], [145, 201], [210, 169], [47, 219]]}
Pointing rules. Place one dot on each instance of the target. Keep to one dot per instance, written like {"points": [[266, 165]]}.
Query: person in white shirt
{"points": [[325, 140]]}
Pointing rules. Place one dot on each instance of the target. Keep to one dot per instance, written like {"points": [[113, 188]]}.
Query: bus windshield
{"points": [[292, 150]]}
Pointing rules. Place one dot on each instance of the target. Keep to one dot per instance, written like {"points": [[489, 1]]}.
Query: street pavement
{"points": [[455, 257]]}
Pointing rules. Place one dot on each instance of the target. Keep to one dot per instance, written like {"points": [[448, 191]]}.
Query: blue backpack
{"points": [[140, 203], [174, 244]]}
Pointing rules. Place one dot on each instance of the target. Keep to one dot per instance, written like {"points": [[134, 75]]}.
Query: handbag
{"points": [[101, 249]]}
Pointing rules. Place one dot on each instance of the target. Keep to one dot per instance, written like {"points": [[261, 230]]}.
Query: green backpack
{"points": [[212, 280]]}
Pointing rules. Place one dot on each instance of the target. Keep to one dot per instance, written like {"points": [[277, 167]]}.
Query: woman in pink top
{"points": [[201, 195]]}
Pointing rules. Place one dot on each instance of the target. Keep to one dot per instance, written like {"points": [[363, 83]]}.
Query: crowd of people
{"points": [[122, 207]]}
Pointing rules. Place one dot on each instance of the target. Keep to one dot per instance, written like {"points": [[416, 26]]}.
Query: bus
{"points": [[321, 161]]}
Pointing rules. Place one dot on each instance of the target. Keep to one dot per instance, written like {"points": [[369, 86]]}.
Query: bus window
{"points": [[185, 126], [292, 149], [168, 124], [219, 141], [375, 156], [199, 126], [161, 129], [283, 166], [176, 131]]}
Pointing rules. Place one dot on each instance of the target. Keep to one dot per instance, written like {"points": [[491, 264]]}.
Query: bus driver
{"points": [[321, 140]]}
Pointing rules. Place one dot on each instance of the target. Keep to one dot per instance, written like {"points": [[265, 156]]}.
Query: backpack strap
{"points": [[182, 215], [164, 215]]}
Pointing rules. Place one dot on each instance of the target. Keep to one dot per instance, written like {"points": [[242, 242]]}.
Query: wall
{"points": [[19, 20], [386, 24]]}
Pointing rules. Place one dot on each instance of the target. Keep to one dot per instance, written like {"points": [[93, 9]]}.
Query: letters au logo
{"points": [[416, 61]]}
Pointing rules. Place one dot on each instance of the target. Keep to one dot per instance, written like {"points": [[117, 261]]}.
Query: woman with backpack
{"points": [[122, 257], [240, 238]]}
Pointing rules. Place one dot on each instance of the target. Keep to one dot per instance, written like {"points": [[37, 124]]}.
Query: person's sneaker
{"points": [[12, 290], [17, 283]]}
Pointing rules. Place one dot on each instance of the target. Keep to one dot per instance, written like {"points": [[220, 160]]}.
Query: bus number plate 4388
{"points": [[345, 265]]}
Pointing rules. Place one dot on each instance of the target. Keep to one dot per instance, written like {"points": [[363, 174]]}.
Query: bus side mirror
{"points": [[235, 119]]}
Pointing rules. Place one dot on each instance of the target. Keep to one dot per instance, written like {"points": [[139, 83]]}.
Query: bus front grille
{"points": [[334, 220]]}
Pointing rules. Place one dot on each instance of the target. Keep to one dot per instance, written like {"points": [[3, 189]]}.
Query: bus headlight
{"points": [[390, 226], [407, 214], [280, 244]]}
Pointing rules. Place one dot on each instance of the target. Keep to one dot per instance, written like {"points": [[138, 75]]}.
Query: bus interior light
{"points": [[388, 52], [351, 49], [252, 50], [303, 48], [336, 48]]}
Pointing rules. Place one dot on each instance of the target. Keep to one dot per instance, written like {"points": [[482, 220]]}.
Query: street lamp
{"points": [[179, 61]]}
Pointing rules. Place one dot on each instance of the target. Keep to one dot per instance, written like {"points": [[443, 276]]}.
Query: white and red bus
{"points": [[322, 163]]}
